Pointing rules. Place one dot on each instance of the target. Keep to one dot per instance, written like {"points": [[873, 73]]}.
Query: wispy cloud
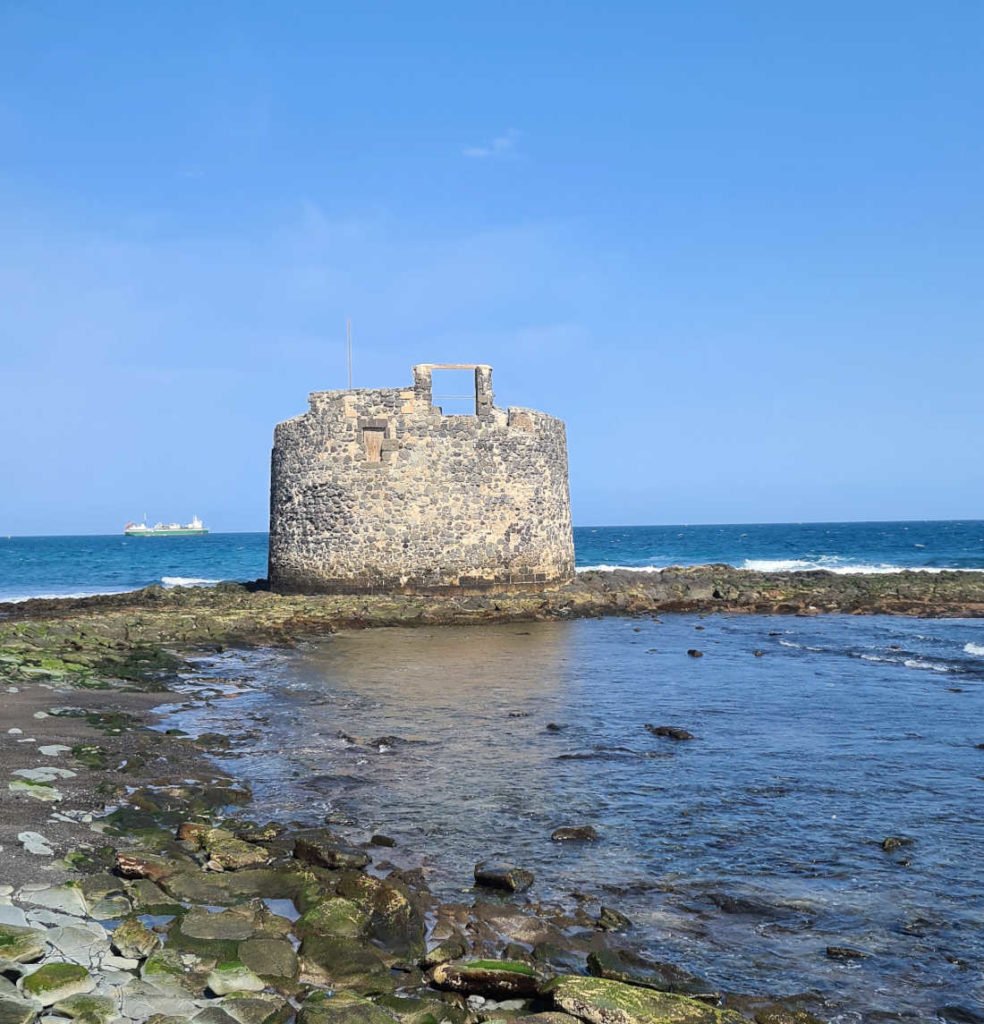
{"points": [[500, 147]]}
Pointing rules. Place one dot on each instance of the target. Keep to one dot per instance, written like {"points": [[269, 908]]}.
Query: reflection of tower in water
{"points": [[467, 707]]}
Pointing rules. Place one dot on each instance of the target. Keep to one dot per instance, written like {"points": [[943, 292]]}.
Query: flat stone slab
{"points": [[19, 944], [66, 899], [35, 843]]}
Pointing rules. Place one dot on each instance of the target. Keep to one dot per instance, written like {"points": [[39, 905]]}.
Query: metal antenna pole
{"points": [[348, 348]]}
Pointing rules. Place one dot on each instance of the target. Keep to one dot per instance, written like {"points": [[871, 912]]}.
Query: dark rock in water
{"points": [[380, 840], [506, 877], [348, 738], [494, 979], [624, 965], [558, 958], [776, 1013], [671, 732], [959, 1015], [519, 714], [845, 953], [327, 852], [698, 627], [554, 727], [890, 843], [980, 746], [612, 921], [514, 951], [694, 653], [759, 654], [575, 833]]}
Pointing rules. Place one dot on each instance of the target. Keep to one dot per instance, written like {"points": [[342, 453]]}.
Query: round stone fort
{"points": [[379, 490]]}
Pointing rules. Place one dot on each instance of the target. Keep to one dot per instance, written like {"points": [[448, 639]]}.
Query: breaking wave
{"points": [[187, 581], [977, 649]]}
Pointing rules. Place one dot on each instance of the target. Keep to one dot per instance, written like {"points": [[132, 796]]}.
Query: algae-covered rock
{"points": [[88, 1009], [396, 920], [333, 916], [341, 1009], [234, 976], [599, 1001], [452, 948], [348, 964], [20, 945], [52, 983], [233, 854], [134, 939], [624, 965], [423, 1010], [494, 979], [257, 1008], [269, 957]]}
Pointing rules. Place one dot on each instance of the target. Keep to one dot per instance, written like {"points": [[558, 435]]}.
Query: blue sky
{"points": [[738, 247]]}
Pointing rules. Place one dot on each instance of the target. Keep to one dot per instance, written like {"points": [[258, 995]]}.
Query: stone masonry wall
{"points": [[377, 490]]}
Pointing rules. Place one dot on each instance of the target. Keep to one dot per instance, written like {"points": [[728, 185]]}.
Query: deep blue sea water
{"points": [[54, 566]]}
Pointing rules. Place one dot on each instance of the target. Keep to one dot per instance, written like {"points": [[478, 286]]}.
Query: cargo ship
{"points": [[196, 528]]}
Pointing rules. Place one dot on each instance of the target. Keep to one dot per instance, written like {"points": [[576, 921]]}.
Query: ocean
{"points": [[64, 566]]}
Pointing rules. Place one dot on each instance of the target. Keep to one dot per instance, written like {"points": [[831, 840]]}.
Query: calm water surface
{"points": [[740, 855]]}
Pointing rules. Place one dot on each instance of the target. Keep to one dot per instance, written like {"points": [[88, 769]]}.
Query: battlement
{"points": [[378, 489]]}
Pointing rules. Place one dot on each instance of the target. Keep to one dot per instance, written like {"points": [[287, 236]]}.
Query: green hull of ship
{"points": [[165, 533]]}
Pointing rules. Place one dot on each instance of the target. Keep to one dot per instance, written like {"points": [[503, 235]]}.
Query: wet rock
{"points": [[341, 1008], [379, 840], [234, 976], [891, 843], [629, 967], [554, 727], [328, 852], [134, 939], [845, 953], [610, 920], [53, 982], [758, 654], [505, 877], [452, 948], [598, 1001], [955, 1014], [494, 979], [575, 834], [694, 653], [233, 854], [776, 1013], [269, 958], [192, 832], [670, 732], [20, 945]]}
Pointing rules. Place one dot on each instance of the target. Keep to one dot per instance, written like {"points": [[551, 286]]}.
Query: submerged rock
{"points": [[891, 843], [670, 732], [845, 953], [599, 1001], [611, 920], [694, 653], [506, 877], [574, 834]]}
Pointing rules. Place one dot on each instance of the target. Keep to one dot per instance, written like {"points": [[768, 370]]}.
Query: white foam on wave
{"points": [[977, 649], [187, 581], [933, 666], [838, 566]]}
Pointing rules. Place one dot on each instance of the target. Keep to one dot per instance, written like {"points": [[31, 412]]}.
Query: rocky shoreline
{"points": [[136, 886]]}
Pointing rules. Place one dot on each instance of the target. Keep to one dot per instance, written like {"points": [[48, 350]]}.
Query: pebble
{"points": [[53, 749], [12, 689], [15, 732], [41, 714]]}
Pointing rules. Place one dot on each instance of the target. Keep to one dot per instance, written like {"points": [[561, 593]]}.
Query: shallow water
{"points": [[741, 854]]}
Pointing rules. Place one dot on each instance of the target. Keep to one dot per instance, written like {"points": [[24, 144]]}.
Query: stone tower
{"points": [[378, 490]]}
